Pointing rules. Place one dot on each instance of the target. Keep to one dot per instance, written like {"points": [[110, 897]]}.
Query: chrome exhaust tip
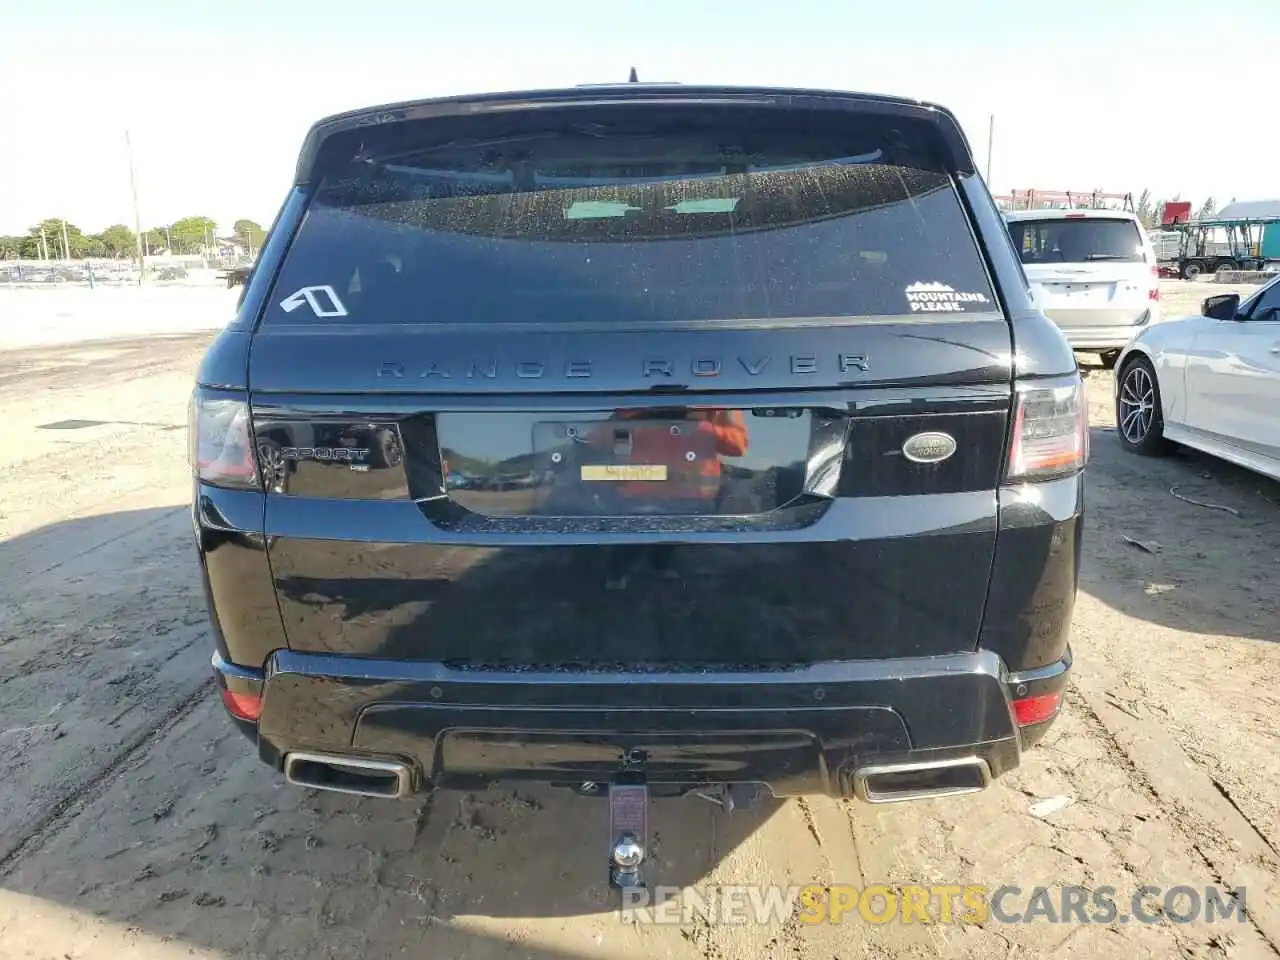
{"points": [[921, 780], [350, 775]]}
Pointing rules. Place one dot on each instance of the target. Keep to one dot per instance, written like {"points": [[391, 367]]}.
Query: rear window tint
{"points": [[632, 230], [1076, 241]]}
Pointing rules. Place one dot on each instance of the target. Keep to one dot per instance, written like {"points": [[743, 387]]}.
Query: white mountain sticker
{"points": [[940, 298]]}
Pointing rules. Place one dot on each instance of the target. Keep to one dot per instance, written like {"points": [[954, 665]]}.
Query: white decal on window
{"points": [[308, 295], [940, 298]]}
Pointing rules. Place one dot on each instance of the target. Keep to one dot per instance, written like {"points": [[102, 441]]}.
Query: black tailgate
{"points": [[625, 383]]}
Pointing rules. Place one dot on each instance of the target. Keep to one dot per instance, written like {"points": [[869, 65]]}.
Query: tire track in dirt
{"points": [[1151, 762], [1204, 562], [1226, 795], [97, 635], [1211, 579], [133, 750]]}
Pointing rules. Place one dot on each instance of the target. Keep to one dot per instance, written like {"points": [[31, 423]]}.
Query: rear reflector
{"points": [[221, 448], [243, 706], [1050, 432], [1036, 709]]}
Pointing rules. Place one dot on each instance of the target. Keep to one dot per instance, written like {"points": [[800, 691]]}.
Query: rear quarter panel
{"points": [[1166, 346]]}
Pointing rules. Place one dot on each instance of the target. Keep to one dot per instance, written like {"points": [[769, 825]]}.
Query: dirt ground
{"points": [[134, 821]]}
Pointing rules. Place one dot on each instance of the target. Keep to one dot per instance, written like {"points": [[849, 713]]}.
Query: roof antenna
{"points": [[633, 78]]}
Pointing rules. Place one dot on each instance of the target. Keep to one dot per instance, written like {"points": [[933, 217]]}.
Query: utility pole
{"points": [[66, 247], [44, 244], [991, 139], [137, 221]]}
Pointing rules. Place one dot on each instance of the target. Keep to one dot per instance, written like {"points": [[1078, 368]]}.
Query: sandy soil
{"points": [[135, 822]]}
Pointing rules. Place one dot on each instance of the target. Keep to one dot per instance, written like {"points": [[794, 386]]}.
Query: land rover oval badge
{"points": [[931, 447]]}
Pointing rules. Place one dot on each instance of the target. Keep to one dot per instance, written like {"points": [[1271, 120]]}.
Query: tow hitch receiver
{"points": [[628, 833]]}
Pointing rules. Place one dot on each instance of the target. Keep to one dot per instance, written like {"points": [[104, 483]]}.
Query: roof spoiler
{"points": [[951, 138]]}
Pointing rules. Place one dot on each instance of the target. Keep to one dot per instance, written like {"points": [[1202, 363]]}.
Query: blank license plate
{"points": [[1081, 291]]}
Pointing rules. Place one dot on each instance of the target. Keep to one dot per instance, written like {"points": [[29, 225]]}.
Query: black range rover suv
{"points": [[656, 437]]}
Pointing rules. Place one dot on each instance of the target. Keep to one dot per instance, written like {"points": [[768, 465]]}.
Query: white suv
{"points": [[1093, 272]]}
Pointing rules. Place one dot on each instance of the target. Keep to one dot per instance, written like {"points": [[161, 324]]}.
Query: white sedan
{"points": [[1211, 382]]}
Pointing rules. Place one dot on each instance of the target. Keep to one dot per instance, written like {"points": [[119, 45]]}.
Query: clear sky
{"points": [[1114, 94]]}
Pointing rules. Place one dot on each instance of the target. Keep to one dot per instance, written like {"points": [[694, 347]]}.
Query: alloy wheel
{"points": [[1137, 404]]}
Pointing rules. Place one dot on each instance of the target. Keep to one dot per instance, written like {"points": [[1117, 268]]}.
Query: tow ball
{"points": [[625, 862], [629, 814], [628, 822]]}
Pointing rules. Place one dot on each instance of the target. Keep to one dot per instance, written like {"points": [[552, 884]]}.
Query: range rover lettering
{"points": [[716, 447]]}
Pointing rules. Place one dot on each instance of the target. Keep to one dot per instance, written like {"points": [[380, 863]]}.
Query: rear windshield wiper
{"points": [[1106, 256]]}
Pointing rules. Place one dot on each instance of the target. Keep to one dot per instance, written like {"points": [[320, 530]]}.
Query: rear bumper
{"points": [[802, 731], [1102, 329]]}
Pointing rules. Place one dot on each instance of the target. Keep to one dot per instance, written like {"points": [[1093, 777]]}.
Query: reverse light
{"points": [[1050, 432], [1037, 709], [220, 441]]}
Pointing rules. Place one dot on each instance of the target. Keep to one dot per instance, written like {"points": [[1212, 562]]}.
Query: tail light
{"points": [[220, 441], [243, 706], [1036, 709], [1050, 432], [1154, 292]]}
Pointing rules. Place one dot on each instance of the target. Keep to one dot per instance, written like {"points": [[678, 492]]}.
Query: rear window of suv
{"points": [[634, 228], [1077, 241]]}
